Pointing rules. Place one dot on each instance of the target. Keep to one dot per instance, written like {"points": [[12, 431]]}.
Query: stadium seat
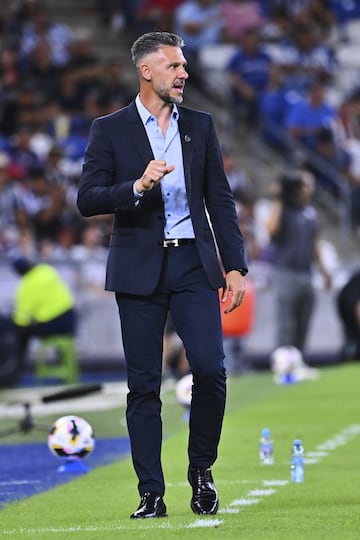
{"points": [[56, 359], [353, 31], [348, 56], [213, 60]]}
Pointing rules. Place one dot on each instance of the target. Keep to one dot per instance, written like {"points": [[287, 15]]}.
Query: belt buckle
{"points": [[171, 243]]}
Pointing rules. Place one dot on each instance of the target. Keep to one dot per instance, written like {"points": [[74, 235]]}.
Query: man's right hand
{"points": [[153, 174]]}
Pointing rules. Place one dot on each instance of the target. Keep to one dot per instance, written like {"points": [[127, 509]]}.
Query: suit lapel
{"points": [[186, 137], [141, 142], [138, 135]]}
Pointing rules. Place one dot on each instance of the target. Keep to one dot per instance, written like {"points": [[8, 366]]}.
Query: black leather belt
{"points": [[178, 242]]}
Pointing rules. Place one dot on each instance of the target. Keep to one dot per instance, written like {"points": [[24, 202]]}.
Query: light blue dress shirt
{"points": [[177, 213]]}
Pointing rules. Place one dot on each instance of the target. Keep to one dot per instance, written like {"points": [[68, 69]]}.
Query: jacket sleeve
{"points": [[221, 207], [99, 193]]}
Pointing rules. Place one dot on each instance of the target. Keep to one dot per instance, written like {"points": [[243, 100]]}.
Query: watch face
{"points": [[243, 271]]}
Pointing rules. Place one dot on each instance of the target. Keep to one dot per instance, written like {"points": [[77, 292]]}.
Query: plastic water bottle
{"points": [[266, 448], [297, 462]]}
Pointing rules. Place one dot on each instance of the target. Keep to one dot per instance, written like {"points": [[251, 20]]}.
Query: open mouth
{"points": [[179, 87]]}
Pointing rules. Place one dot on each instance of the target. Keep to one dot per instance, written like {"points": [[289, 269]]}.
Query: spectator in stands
{"points": [[244, 194], [348, 307], [20, 150], [53, 167], [41, 71], [8, 120], [80, 122], [44, 205], [296, 11], [116, 14], [274, 103], [199, 23], [344, 12], [239, 182], [47, 82], [68, 99], [294, 231], [307, 116], [84, 67], [332, 164], [152, 15], [319, 11], [44, 304], [41, 27], [112, 84], [12, 215], [305, 57], [248, 72], [24, 107], [10, 73], [238, 16], [276, 28]]}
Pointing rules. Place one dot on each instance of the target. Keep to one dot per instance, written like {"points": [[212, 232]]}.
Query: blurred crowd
{"points": [[279, 77], [52, 85], [280, 80]]}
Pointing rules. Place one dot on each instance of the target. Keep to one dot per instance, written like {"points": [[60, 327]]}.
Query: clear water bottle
{"points": [[266, 448], [297, 461]]}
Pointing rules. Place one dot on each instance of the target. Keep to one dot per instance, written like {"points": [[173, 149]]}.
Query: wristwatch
{"points": [[243, 271]]}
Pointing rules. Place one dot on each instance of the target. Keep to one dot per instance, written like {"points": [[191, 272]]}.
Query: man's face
{"points": [[166, 71]]}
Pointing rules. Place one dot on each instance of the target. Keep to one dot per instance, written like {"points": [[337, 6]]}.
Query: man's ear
{"points": [[145, 71]]}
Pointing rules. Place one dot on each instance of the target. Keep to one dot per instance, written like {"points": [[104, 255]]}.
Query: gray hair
{"points": [[151, 42]]}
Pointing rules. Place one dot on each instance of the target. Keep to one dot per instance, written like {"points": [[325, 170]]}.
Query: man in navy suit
{"points": [[158, 169]]}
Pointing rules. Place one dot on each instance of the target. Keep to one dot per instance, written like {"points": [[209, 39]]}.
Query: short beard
{"points": [[165, 96]]}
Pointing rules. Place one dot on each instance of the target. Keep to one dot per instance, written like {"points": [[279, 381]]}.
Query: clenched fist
{"points": [[152, 175]]}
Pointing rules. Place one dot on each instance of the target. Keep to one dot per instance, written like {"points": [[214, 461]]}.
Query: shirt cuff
{"points": [[137, 195]]}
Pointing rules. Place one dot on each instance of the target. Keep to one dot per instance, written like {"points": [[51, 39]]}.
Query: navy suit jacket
{"points": [[117, 154]]}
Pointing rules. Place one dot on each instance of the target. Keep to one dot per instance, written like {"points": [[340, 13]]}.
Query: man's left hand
{"points": [[235, 284]]}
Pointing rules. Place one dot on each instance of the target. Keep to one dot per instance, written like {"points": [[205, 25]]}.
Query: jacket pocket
{"points": [[122, 240]]}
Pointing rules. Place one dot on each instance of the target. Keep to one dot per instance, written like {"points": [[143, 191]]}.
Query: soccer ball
{"points": [[288, 366], [71, 437]]}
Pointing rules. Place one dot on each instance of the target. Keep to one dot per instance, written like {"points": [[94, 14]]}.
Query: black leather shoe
{"points": [[205, 499], [151, 506]]}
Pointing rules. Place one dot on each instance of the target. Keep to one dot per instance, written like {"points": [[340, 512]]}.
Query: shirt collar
{"points": [[146, 116]]}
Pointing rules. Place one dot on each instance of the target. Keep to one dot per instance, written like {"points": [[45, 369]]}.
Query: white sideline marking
{"points": [[94, 528], [228, 510], [55, 530], [244, 502], [275, 482], [205, 523], [341, 439], [20, 482], [317, 454], [260, 492]]}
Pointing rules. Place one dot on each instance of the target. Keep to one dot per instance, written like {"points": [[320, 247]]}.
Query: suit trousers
{"points": [[185, 292]]}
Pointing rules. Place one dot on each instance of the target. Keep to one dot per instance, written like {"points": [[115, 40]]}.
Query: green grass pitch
{"points": [[256, 501]]}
